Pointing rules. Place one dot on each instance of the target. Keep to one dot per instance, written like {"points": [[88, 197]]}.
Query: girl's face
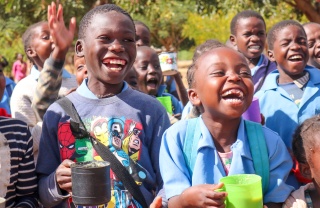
{"points": [[223, 86], [250, 37], [290, 52], [314, 164]]}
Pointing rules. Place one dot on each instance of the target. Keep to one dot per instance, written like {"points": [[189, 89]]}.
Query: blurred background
{"points": [[177, 26]]}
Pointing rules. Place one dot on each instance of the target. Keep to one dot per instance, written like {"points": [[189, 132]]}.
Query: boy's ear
{"points": [[305, 170], [232, 39], [193, 97], [271, 55], [79, 48], [31, 53]]}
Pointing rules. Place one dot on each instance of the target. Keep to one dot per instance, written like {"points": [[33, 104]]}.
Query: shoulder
{"points": [[11, 126]]}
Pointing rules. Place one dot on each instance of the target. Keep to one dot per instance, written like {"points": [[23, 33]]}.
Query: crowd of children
{"points": [[115, 93]]}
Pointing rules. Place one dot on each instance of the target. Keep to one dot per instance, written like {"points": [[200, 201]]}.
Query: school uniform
{"points": [[208, 168]]}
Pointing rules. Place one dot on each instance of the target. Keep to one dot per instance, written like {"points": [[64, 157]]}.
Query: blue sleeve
{"points": [[49, 160], [173, 169], [280, 165], [176, 104]]}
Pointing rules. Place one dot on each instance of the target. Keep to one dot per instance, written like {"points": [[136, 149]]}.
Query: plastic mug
{"points": [[253, 112], [168, 63], [166, 102], [244, 191]]}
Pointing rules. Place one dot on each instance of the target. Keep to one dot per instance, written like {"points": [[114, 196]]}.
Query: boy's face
{"points": [[250, 37], [108, 47], [147, 66], [290, 52], [314, 165], [132, 79], [313, 36], [223, 85], [81, 69], [142, 36], [41, 44]]}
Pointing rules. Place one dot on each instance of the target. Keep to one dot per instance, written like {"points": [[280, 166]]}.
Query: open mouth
{"points": [[114, 64], [152, 82], [296, 58], [233, 96]]}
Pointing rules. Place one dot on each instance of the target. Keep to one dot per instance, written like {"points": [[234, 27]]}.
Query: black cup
{"points": [[91, 183]]}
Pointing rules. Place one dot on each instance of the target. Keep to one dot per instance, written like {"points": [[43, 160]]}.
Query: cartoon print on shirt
{"points": [[66, 141], [132, 143]]}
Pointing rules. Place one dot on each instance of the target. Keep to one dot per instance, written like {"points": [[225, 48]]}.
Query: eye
{"points": [[103, 37], [261, 33], [80, 67], [143, 67], [245, 74], [218, 73], [45, 37], [157, 67], [284, 43], [311, 44], [129, 40]]}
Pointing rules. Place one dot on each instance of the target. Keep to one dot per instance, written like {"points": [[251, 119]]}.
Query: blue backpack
{"points": [[257, 143]]}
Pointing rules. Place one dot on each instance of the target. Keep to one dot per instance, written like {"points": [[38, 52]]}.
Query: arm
{"points": [[182, 91], [49, 192], [50, 78], [26, 187]]}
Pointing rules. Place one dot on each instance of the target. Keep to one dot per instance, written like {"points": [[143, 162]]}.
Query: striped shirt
{"points": [[22, 188]]}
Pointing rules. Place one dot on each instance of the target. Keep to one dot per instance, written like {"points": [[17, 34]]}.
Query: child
{"points": [[291, 93], [306, 149], [248, 36], [81, 69], [222, 89], [143, 34], [18, 181], [312, 30], [112, 112], [46, 47], [147, 66], [19, 68], [132, 79]]}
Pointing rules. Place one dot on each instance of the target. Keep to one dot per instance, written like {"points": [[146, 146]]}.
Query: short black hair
{"points": [[272, 34], [199, 51], [243, 15], [305, 139], [28, 34], [86, 20], [137, 22]]}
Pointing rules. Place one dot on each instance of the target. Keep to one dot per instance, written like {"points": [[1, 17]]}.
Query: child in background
{"points": [[291, 93], [306, 149], [48, 62], [143, 35], [81, 69], [147, 66], [312, 30], [248, 36], [111, 111], [222, 89], [132, 79], [18, 180], [19, 68]]}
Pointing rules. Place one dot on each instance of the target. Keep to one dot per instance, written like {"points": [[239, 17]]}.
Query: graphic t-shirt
{"points": [[226, 159]]}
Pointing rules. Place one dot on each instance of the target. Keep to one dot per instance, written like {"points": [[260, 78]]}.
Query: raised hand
{"points": [[61, 36]]}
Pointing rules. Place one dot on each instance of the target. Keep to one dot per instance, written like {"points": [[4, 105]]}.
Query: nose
{"points": [[234, 77], [295, 46], [151, 69], [116, 46], [139, 42]]}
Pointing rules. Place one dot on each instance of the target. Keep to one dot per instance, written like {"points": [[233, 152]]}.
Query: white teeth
{"points": [[296, 57], [255, 47], [115, 68], [115, 61], [236, 92]]}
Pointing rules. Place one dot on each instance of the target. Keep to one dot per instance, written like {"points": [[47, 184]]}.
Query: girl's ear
{"points": [[305, 170], [271, 55], [79, 48], [193, 97]]}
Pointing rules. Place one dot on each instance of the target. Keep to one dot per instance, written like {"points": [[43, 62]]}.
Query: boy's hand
{"points": [[61, 36], [203, 196], [63, 176]]}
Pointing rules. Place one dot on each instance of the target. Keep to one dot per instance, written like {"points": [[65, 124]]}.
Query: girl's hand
{"points": [[203, 196]]}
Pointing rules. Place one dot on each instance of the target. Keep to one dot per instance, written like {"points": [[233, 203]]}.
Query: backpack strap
{"points": [[190, 144], [259, 152], [79, 130]]}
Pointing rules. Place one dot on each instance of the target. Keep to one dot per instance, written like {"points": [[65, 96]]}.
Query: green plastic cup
{"points": [[244, 191], [166, 102]]}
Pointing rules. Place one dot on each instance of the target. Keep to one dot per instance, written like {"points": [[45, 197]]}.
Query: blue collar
{"points": [[84, 91], [254, 69], [35, 73]]}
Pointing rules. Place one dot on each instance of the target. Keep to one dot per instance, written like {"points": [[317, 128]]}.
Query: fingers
{"points": [[157, 203], [72, 25], [63, 175], [60, 13]]}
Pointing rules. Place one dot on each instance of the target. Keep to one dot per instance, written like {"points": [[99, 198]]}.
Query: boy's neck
{"points": [[105, 90], [285, 78], [224, 133], [253, 62]]}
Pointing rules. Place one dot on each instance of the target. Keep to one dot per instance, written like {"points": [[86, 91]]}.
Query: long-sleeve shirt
{"points": [[18, 181]]}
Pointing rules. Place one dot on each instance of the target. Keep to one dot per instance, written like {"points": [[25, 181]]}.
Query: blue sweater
{"points": [[136, 119]]}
